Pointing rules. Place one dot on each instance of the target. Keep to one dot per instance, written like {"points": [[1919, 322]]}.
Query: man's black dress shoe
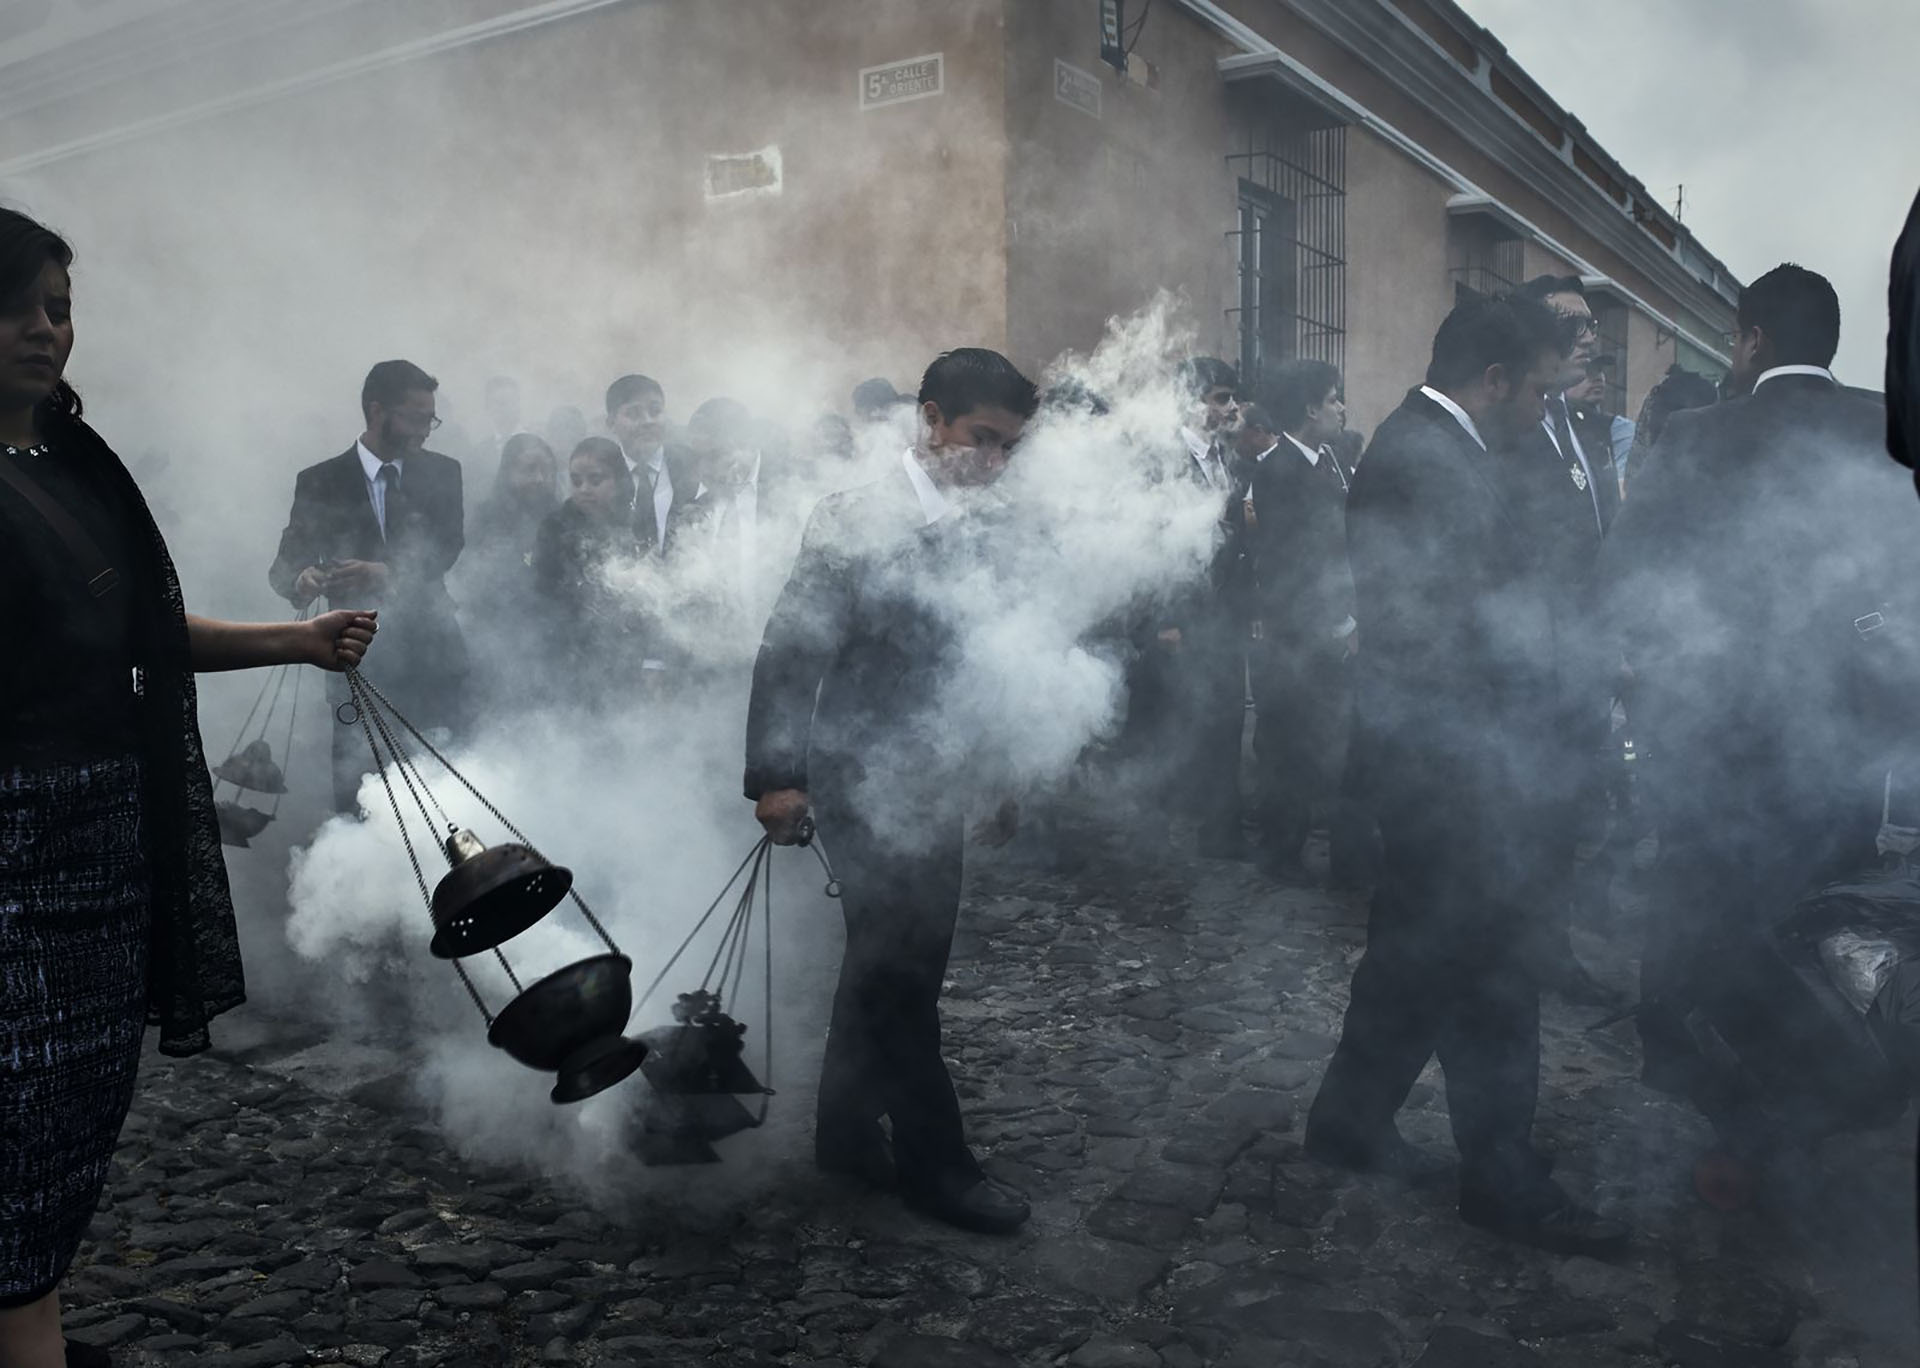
{"points": [[1386, 1154], [970, 1201], [1547, 1218], [87, 1356], [863, 1154]]}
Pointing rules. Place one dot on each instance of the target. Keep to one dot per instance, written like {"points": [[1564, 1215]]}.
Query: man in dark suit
{"points": [[1903, 345], [845, 722], [1565, 491], [665, 486], [1203, 659], [663, 476], [1454, 682], [1762, 584], [1304, 634], [381, 524]]}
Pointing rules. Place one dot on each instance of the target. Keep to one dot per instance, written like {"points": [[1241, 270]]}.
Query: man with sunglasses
{"points": [[1566, 492], [381, 524]]}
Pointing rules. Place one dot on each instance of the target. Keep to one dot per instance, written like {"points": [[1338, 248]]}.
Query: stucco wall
{"points": [[1103, 212], [536, 205], [1398, 289]]}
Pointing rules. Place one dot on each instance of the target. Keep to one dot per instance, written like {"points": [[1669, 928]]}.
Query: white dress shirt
{"points": [[1820, 371], [1206, 456], [1460, 415], [737, 517], [377, 492], [1313, 457], [933, 504]]}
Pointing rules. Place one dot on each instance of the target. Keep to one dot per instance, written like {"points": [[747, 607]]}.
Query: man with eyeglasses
{"points": [[1566, 492], [381, 524]]}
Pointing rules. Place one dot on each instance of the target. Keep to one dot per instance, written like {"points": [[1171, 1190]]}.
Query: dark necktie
{"points": [[389, 500]]}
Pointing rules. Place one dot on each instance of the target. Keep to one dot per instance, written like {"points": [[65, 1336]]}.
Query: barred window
{"points": [[1290, 245], [1483, 257]]}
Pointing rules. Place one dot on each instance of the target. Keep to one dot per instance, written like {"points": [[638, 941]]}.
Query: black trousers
{"points": [[1303, 703], [1186, 715], [883, 1054], [1446, 971]]}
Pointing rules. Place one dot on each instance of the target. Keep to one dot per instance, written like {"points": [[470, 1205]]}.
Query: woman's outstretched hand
{"points": [[338, 640]]}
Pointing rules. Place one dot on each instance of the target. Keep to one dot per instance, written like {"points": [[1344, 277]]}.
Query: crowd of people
{"points": [[1438, 632]]}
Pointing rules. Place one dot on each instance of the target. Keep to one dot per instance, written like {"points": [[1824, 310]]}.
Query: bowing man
{"points": [[845, 723]]}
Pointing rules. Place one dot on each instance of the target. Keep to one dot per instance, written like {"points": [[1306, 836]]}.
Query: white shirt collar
{"points": [[1820, 371], [1313, 457], [1460, 415], [933, 504], [370, 463]]}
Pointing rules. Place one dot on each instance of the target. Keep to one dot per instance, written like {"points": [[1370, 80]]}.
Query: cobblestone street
{"points": [[1136, 1050]]}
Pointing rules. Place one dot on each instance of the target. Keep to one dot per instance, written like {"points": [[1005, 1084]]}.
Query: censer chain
{"points": [[275, 680], [286, 746], [706, 916], [364, 706], [492, 811]]}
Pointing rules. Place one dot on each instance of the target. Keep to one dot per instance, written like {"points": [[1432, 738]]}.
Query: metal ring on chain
{"points": [[348, 713]]}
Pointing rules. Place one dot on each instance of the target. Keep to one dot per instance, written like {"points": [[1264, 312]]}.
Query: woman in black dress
{"points": [[114, 910]]}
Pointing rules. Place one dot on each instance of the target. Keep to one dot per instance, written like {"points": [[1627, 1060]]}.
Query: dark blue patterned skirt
{"points": [[73, 996]]}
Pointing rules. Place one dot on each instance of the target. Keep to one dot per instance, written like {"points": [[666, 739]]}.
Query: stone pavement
{"points": [[1134, 1047]]}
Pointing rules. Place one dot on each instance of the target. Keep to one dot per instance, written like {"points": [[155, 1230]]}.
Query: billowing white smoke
{"points": [[645, 804]]}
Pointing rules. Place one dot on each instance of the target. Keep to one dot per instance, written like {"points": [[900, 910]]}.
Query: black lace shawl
{"points": [[193, 956]]}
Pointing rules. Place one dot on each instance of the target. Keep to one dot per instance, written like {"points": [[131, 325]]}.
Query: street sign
{"points": [[917, 78], [1072, 86]]}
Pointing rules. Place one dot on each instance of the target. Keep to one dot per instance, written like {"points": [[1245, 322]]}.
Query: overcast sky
{"points": [[1794, 124]]}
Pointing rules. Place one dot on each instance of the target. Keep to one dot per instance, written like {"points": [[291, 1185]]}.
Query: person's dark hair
{"points": [[1679, 389], [518, 446], [629, 388], [1480, 332], [389, 382], [1198, 374], [1541, 287], [607, 452], [1072, 396], [968, 379], [1259, 418], [26, 246], [1296, 386], [723, 419], [1798, 311], [870, 396], [831, 432]]}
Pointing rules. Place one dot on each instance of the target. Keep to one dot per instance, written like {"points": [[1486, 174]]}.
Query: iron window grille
{"points": [[1290, 246]]}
